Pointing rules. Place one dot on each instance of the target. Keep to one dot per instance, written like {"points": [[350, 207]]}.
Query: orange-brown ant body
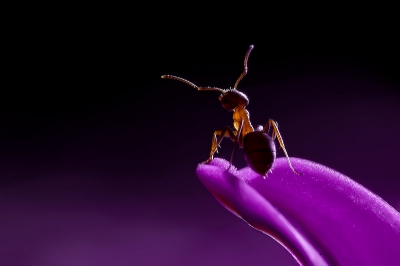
{"points": [[259, 147]]}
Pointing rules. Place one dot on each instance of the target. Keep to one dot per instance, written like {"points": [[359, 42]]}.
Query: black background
{"points": [[98, 153]]}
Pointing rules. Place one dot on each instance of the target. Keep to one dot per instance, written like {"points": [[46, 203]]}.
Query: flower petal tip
{"points": [[327, 208]]}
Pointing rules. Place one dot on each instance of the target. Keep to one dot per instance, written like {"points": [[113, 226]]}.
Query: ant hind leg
{"points": [[276, 134]]}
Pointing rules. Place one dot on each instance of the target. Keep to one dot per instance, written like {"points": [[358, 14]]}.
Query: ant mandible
{"points": [[259, 147]]}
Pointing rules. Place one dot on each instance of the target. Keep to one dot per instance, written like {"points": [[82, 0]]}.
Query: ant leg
{"points": [[236, 142], [267, 128], [277, 134], [226, 132]]}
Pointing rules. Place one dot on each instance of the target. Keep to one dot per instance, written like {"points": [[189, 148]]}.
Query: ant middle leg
{"points": [[235, 143], [276, 134], [217, 138]]}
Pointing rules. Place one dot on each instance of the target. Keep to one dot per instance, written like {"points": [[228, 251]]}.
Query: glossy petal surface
{"points": [[321, 218]]}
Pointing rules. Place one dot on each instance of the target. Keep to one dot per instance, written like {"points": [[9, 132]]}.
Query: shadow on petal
{"points": [[321, 218]]}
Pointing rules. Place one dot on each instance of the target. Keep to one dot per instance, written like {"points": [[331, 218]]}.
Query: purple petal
{"points": [[321, 218]]}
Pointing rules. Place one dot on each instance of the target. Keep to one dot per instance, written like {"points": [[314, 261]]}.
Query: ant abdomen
{"points": [[259, 151]]}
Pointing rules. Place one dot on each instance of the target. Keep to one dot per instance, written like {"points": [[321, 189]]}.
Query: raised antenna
{"points": [[246, 58], [192, 84]]}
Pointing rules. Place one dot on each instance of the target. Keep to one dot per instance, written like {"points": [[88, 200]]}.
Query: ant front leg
{"points": [[276, 134], [217, 138]]}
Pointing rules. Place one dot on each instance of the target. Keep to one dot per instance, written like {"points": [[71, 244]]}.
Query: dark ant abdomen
{"points": [[259, 151]]}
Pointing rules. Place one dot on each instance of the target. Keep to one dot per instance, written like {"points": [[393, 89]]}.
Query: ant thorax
{"points": [[241, 114]]}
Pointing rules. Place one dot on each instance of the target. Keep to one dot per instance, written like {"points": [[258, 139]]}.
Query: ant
{"points": [[259, 147]]}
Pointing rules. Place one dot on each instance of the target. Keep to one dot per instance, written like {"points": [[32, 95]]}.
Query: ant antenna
{"points": [[191, 84], [246, 58]]}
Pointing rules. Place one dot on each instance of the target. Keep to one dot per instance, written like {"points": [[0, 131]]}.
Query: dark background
{"points": [[98, 154]]}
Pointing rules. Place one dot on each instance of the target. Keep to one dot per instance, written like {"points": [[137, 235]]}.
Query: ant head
{"points": [[230, 99]]}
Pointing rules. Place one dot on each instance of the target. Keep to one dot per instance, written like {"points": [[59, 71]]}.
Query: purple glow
{"points": [[322, 218]]}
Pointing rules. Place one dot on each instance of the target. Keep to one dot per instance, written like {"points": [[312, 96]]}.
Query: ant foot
{"points": [[297, 173], [207, 161]]}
